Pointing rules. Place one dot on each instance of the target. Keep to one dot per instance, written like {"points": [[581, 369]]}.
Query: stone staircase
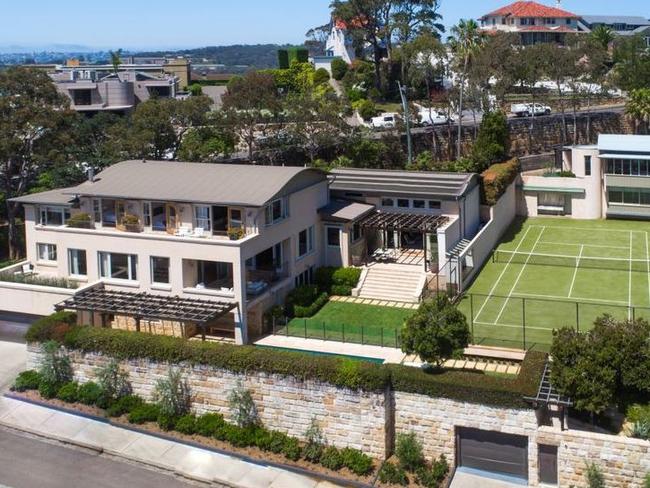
{"points": [[392, 282]]}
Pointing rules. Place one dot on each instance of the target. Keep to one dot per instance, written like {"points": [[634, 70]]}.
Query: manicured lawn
{"points": [[351, 322]]}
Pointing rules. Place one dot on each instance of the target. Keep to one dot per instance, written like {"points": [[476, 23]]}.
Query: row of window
{"points": [[629, 196], [411, 203], [628, 167]]}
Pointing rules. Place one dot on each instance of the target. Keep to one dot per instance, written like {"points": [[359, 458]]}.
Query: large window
{"points": [[118, 266], [333, 236], [77, 262], [55, 216], [630, 167], [112, 212], [276, 211], [236, 217], [306, 241], [159, 270], [629, 196], [158, 216], [46, 252], [356, 233], [587, 165], [202, 218]]}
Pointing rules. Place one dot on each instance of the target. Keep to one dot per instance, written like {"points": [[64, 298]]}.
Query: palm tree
{"points": [[466, 40], [603, 35], [638, 108], [116, 60]]}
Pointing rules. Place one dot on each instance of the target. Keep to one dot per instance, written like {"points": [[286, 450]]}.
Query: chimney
{"points": [[91, 174], [558, 3]]}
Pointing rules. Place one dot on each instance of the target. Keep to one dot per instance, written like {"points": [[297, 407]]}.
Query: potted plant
{"points": [[80, 221], [131, 223], [235, 233]]}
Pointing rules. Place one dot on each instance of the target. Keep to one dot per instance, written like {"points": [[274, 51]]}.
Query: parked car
{"points": [[428, 117], [384, 121], [528, 109]]}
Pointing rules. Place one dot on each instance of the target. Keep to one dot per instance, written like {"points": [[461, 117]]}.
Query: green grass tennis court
{"points": [[551, 272]]}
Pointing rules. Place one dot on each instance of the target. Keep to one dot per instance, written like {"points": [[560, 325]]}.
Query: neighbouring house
{"points": [[192, 249], [621, 25], [534, 22], [340, 44], [608, 180]]}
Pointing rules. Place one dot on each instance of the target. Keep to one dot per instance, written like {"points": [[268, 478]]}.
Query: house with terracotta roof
{"points": [[534, 22]]}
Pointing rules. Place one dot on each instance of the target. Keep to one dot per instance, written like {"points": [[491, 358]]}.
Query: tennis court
{"points": [[550, 273]]}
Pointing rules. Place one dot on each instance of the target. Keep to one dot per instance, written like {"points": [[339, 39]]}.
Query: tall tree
{"points": [[34, 129], [632, 63], [467, 39], [116, 60], [638, 108], [603, 35]]}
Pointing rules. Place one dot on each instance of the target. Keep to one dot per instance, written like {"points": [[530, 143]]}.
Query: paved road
{"points": [[13, 326], [27, 463]]}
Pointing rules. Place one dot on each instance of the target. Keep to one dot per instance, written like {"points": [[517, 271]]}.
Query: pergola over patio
{"points": [[141, 306], [403, 222]]}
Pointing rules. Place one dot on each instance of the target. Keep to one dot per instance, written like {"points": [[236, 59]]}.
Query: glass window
{"points": [[645, 197], [387, 202], [159, 270], [418, 204], [118, 266], [434, 205], [334, 237], [146, 214], [77, 262], [587, 165], [306, 241], [236, 218], [615, 196], [631, 197], [97, 211], [46, 252], [403, 203], [356, 232], [275, 211], [55, 216], [202, 218]]}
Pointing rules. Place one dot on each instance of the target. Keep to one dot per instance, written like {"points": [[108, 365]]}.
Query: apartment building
{"points": [[532, 21], [610, 179], [191, 249]]}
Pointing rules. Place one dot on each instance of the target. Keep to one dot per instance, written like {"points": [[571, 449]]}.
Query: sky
{"points": [[165, 24]]}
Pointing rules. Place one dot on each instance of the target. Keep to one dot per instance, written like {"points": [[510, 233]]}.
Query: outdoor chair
{"points": [[183, 232], [25, 270], [199, 232]]}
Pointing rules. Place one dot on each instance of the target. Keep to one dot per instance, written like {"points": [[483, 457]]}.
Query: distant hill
{"points": [[259, 56]]}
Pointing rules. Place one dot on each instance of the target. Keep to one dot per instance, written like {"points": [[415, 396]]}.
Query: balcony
{"points": [[208, 278], [262, 279]]}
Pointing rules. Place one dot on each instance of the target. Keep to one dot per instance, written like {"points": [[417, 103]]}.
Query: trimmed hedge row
{"points": [[311, 310], [496, 180], [337, 281], [474, 387]]}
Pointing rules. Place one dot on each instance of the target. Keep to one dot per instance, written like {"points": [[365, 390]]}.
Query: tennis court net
{"points": [[538, 259]]}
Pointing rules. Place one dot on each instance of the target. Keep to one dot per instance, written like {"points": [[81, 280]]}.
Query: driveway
{"points": [[13, 326], [13, 351], [472, 479]]}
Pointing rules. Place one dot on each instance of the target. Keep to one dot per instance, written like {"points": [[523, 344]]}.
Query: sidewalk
{"points": [[193, 463]]}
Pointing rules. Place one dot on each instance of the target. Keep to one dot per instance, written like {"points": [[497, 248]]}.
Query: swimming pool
{"points": [[320, 353]]}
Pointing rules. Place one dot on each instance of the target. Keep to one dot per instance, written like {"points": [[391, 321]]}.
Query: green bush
{"points": [[186, 424], [496, 179], [147, 412], [55, 365], [263, 439], [277, 442], [167, 421], [594, 476], [434, 476], [356, 461], [337, 281], [291, 448], [124, 405], [366, 108], [53, 327], [242, 406], [89, 393], [311, 310], [391, 474], [408, 450], [321, 76], [48, 389], [331, 458], [637, 413], [313, 449], [113, 381], [339, 69], [69, 392], [641, 430], [27, 380], [646, 484], [172, 394], [209, 424], [304, 301]]}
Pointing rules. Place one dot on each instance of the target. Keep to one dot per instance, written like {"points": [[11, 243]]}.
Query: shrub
{"points": [[291, 448], [242, 406], [434, 476], [496, 180], [69, 392], [339, 69], [124, 405], [409, 452], [493, 141], [47, 389], [55, 365], [646, 484], [208, 424], [53, 327], [172, 394], [641, 429], [321, 76], [391, 474], [594, 476], [262, 439], [313, 308], [356, 461], [337, 281], [315, 442], [277, 442], [147, 412], [27, 380], [341, 290], [331, 458], [304, 301], [113, 381], [80, 221], [89, 393], [186, 424], [637, 413], [167, 421], [366, 108]]}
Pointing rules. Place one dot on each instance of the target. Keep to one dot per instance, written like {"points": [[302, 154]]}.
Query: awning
{"points": [[345, 211], [407, 222], [624, 156], [146, 306], [554, 189]]}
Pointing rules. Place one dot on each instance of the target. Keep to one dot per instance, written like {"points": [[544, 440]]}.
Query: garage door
{"points": [[493, 451]]}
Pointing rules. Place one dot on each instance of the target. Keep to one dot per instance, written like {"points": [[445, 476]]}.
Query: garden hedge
{"points": [[474, 387], [496, 179]]}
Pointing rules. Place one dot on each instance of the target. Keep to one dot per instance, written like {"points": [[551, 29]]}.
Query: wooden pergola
{"points": [[547, 395], [141, 306]]}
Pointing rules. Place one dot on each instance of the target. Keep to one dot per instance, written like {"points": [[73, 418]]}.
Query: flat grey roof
{"points": [[227, 184], [624, 143], [424, 184], [52, 197], [616, 19], [345, 211]]}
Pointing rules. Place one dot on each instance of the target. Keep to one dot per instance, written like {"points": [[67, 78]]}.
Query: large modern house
{"points": [[206, 249], [532, 21], [608, 180], [621, 25]]}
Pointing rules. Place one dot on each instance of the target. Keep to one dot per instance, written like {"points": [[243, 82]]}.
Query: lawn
{"points": [[550, 273], [351, 322]]}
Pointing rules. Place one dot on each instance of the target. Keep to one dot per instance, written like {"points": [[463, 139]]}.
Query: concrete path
{"points": [[13, 360], [193, 463], [464, 479]]}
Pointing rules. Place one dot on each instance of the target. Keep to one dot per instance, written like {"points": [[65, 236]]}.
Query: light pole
{"points": [[407, 121]]}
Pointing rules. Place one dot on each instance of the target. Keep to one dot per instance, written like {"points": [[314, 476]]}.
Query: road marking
{"points": [[575, 272], [521, 272], [496, 283]]}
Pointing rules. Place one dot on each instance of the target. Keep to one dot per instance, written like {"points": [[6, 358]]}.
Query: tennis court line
{"points": [[585, 245], [647, 253], [589, 229], [572, 299], [575, 271], [521, 272], [496, 283], [513, 326], [629, 296]]}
